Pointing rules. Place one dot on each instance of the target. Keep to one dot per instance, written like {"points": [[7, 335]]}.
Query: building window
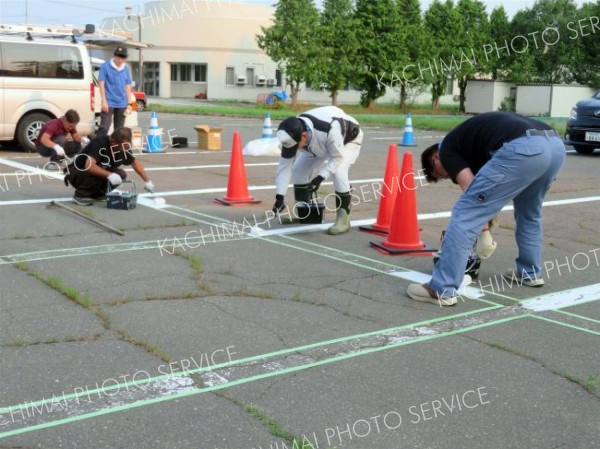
{"points": [[185, 72], [250, 76], [189, 72], [200, 73], [450, 86], [229, 76], [278, 78]]}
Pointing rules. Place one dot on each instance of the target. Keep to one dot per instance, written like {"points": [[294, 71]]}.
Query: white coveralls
{"points": [[324, 154]]}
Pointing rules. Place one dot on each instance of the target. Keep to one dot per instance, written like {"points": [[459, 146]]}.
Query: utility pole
{"points": [[138, 17]]}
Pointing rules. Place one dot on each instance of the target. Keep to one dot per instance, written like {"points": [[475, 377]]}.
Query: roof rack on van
{"points": [[45, 30]]}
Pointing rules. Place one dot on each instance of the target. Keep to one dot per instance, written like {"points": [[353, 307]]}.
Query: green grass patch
{"points": [[443, 119], [153, 349]]}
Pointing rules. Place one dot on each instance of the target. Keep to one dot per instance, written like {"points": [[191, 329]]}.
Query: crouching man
{"points": [[317, 144], [96, 170]]}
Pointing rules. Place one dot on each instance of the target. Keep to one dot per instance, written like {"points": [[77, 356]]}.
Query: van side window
{"points": [[40, 61]]}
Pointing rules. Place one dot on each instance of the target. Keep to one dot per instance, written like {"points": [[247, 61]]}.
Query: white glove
{"points": [[485, 245], [84, 141], [149, 186], [60, 151], [114, 179]]}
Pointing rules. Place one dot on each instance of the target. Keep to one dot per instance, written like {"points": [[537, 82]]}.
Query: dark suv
{"points": [[583, 126]]}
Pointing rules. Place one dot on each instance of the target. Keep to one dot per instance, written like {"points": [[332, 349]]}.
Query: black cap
{"points": [[121, 51], [289, 134]]}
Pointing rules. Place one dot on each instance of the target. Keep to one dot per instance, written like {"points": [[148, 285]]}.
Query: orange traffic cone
{"points": [[403, 237], [237, 185], [389, 191]]}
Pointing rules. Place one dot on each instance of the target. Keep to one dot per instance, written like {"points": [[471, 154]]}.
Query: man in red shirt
{"points": [[52, 139]]}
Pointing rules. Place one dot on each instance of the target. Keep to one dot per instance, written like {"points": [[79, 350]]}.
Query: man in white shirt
{"points": [[316, 144]]}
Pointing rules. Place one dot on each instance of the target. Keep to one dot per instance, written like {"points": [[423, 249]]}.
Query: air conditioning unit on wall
{"points": [[270, 82], [261, 80], [240, 80]]}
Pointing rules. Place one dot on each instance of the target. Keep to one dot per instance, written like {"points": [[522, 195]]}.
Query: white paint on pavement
{"points": [[563, 299]]}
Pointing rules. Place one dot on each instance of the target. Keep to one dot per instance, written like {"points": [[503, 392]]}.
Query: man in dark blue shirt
{"points": [[494, 157]]}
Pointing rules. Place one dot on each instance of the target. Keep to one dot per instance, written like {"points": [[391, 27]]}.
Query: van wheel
{"points": [[28, 130]]}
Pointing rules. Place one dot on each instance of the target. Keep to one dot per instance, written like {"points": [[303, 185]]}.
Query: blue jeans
{"points": [[522, 170]]}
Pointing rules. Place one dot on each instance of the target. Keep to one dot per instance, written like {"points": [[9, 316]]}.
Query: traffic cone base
{"points": [[374, 229], [421, 250], [237, 184], [236, 202]]}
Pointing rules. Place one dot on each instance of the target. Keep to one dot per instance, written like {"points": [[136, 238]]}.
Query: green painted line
{"points": [[582, 329], [392, 266], [258, 357], [581, 317], [253, 378], [357, 264]]}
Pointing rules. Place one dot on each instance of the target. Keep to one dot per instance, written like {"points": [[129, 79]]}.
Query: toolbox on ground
{"points": [[125, 200]]}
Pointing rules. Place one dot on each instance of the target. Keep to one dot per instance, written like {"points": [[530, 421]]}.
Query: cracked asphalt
{"points": [[184, 334]]}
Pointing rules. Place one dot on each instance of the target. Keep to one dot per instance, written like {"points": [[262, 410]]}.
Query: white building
{"points": [[208, 48]]}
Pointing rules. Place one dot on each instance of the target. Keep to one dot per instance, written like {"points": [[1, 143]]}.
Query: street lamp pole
{"points": [[130, 16]]}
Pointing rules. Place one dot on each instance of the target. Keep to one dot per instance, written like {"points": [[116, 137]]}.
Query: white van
{"points": [[40, 79]]}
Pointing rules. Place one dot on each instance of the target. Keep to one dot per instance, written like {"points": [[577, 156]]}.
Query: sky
{"points": [[80, 12]]}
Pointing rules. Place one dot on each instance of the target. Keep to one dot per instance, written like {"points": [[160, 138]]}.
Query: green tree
{"points": [[444, 24], [416, 47], [473, 34], [495, 56], [586, 64], [338, 44], [292, 42], [541, 38], [381, 48]]}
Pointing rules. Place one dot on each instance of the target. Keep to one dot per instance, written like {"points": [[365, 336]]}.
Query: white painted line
{"points": [[38, 201], [563, 299], [192, 167], [33, 170]]}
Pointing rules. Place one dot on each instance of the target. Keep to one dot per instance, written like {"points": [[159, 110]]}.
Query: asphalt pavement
{"points": [[215, 327]]}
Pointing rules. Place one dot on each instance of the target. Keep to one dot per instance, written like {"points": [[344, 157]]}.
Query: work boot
{"points": [[342, 223], [342, 219]]}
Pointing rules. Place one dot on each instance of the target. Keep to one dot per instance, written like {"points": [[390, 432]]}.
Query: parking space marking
{"points": [[290, 360], [563, 299], [193, 167], [424, 332], [286, 361]]}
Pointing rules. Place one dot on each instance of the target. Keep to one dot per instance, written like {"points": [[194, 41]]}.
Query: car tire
{"points": [[140, 105], [28, 130], [583, 150]]}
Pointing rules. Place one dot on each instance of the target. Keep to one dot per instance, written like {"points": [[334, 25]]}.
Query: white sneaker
{"points": [[423, 293], [512, 276]]}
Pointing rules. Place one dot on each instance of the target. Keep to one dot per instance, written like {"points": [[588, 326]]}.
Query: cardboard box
{"points": [[208, 138]]}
